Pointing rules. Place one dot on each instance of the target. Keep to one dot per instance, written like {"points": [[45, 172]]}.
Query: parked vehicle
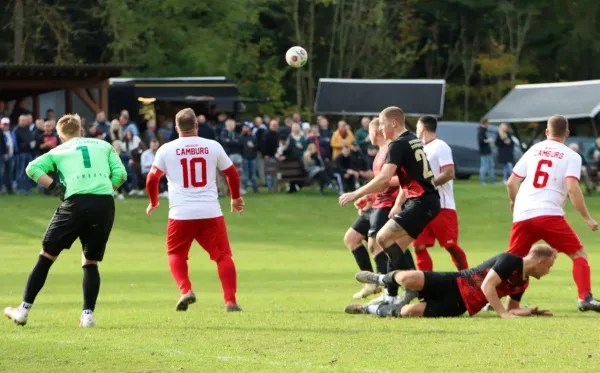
{"points": [[462, 138]]}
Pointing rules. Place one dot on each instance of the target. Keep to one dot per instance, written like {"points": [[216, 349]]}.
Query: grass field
{"points": [[295, 277]]}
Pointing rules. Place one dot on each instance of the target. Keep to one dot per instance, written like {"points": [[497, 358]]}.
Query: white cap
{"points": [[305, 126], [5, 120]]}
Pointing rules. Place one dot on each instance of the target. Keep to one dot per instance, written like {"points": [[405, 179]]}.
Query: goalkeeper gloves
{"points": [[58, 189]]}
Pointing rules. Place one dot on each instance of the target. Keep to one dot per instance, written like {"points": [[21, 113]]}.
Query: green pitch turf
{"points": [[295, 277]]}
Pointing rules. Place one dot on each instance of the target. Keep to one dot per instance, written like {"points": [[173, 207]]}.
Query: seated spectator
{"points": [[95, 134], [359, 162], [150, 132], [315, 167], [340, 138], [590, 186], [134, 146], [102, 125], [146, 161], [128, 125], [343, 163], [286, 153], [371, 153], [115, 132], [298, 141], [131, 184]]}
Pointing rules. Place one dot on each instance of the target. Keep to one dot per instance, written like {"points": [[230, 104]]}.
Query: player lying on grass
{"points": [[450, 294], [374, 210], [89, 170]]}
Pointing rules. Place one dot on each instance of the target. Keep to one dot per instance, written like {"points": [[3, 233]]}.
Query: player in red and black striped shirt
{"points": [[406, 159], [450, 294]]}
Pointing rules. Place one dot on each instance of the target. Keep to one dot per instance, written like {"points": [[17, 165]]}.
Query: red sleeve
{"points": [[233, 181], [152, 182]]}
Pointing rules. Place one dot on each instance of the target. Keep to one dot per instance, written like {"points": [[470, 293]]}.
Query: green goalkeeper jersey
{"points": [[84, 166]]}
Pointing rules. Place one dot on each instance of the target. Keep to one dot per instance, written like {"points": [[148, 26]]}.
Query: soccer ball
{"points": [[296, 57]]}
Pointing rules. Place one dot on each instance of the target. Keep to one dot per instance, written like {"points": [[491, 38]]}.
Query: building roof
{"points": [[10, 71], [538, 102]]}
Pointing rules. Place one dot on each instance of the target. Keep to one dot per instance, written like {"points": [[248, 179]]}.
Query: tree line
{"points": [[481, 47]]}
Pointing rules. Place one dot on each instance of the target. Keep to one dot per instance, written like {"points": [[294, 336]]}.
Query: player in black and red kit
{"points": [[374, 210], [450, 294], [407, 160]]}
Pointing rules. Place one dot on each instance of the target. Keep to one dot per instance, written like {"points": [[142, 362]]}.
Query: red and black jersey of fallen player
{"points": [[413, 169], [509, 268], [387, 198]]}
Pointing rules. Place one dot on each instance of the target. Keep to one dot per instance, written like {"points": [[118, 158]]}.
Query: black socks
{"points": [[362, 258], [381, 262], [36, 279], [91, 286]]}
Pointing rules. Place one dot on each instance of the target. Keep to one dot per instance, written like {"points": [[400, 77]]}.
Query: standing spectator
{"points": [[50, 115], [94, 133], [221, 119], [298, 141], [18, 110], [26, 146], [313, 138], [324, 139], [343, 163], [134, 146], [231, 142], [127, 125], [148, 158], [268, 149], [249, 155], [150, 132], [115, 132], [340, 138], [362, 135], [259, 131], [315, 167], [297, 118], [371, 153], [594, 153], [8, 156], [131, 178], [485, 153], [204, 129], [102, 125], [506, 156], [3, 110], [46, 140], [358, 162], [286, 130], [585, 175]]}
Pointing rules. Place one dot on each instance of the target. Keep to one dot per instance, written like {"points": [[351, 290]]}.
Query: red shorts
{"points": [[211, 234], [444, 228], [553, 229]]}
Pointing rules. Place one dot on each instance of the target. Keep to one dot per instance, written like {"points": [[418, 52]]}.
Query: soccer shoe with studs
{"points": [[87, 321], [184, 301], [231, 307], [588, 304], [17, 315], [367, 277], [356, 309], [367, 290]]}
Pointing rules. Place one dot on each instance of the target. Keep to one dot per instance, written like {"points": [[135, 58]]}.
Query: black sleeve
{"points": [[395, 152], [481, 136], [517, 297], [506, 264]]}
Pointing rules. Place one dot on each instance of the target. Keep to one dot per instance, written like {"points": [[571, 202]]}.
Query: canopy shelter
{"points": [[203, 94], [416, 97], [87, 81], [537, 102]]}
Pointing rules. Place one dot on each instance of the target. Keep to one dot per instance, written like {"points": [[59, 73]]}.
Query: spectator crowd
{"points": [[333, 158]]}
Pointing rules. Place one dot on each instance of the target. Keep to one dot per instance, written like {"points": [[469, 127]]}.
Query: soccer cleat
{"points": [[18, 315], [379, 300], [356, 309], [367, 277], [367, 290], [87, 320], [185, 301], [230, 307], [589, 304]]}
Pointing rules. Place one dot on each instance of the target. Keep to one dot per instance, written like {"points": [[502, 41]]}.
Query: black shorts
{"points": [[371, 221], [417, 213], [441, 295], [87, 217]]}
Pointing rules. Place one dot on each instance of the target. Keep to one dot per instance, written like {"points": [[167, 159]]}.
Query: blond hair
{"points": [[374, 123], [393, 113], [542, 251], [69, 125], [115, 125], [308, 154], [186, 120]]}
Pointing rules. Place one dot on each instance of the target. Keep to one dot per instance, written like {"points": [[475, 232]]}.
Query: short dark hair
{"points": [[558, 125], [429, 122]]}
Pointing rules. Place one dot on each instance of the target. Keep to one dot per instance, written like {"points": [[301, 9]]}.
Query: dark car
{"points": [[462, 138]]}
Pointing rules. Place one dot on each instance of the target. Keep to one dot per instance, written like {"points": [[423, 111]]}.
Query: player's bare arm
{"points": [[446, 175], [512, 186], [400, 199], [378, 184], [576, 197], [489, 285]]}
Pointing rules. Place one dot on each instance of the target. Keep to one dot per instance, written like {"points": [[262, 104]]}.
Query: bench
{"points": [[286, 172]]}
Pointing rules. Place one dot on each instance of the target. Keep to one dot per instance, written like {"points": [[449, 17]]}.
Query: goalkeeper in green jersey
{"points": [[89, 170]]}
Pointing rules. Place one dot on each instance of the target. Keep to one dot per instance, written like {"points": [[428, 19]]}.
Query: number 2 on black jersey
{"points": [[420, 156]]}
